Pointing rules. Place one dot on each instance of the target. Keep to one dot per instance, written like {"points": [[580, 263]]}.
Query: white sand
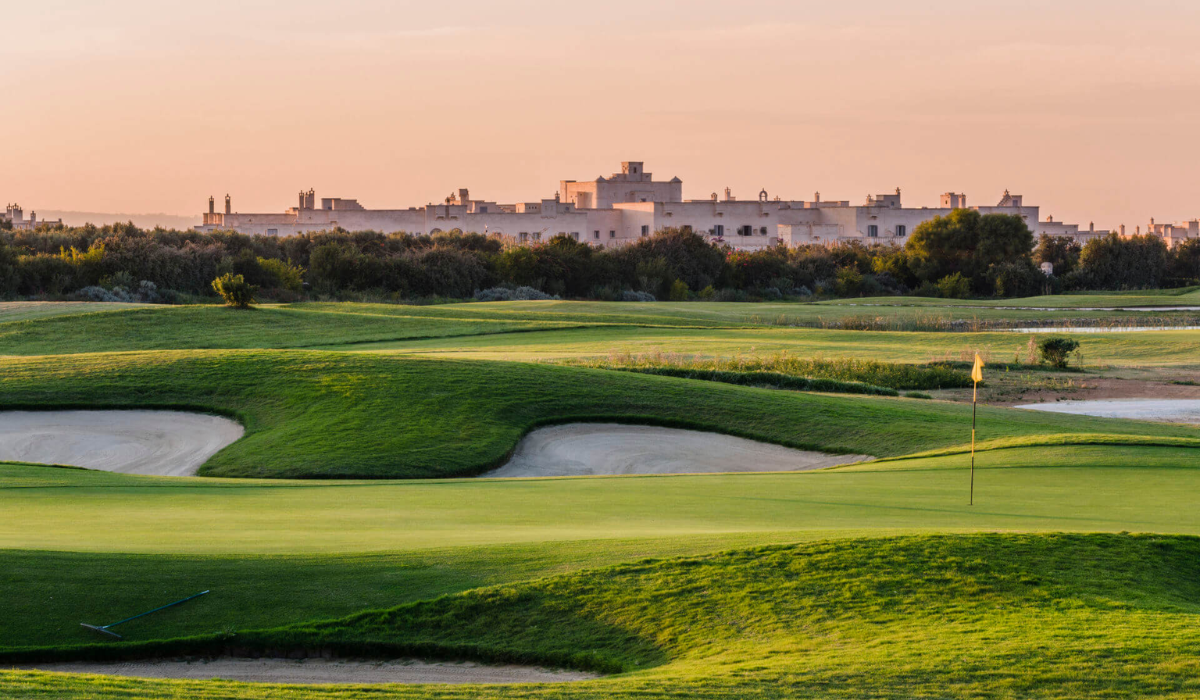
{"points": [[1165, 410], [319, 671], [167, 443], [579, 449]]}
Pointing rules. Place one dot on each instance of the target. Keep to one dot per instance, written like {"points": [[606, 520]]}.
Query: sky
{"points": [[1090, 109]]}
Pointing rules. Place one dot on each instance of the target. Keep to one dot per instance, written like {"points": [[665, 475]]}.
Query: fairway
{"points": [[371, 423]]}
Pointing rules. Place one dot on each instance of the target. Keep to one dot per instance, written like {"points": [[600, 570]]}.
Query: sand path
{"points": [[165, 443], [580, 449], [310, 671], [1164, 410]]}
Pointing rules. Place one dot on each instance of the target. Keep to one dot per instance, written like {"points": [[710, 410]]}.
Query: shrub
{"points": [[679, 291], [235, 290], [518, 294], [849, 282], [282, 274], [1054, 351], [1016, 279], [637, 296], [707, 293], [954, 287]]}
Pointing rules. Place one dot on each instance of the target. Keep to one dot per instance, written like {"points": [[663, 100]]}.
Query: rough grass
{"points": [[979, 616], [870, 372]]}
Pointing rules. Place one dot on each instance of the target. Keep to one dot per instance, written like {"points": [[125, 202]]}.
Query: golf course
{"points": [[348, 503]]}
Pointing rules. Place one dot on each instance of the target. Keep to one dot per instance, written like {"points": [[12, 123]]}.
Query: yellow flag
{"points": [[977, 370]]}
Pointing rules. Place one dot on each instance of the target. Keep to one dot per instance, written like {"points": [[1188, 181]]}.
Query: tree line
{"points": [[963, 254]]}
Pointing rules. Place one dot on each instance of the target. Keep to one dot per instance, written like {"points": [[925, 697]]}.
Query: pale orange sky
{"points": [[1089, 109]]}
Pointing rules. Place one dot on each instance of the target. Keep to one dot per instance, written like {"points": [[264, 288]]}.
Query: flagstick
{"points": [[974, 398]]}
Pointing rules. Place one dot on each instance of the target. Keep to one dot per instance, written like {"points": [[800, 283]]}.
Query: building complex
{"points": [[15, 215], [619, 209]]}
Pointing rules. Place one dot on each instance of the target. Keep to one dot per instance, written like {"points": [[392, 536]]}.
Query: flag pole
{"points": [[974, 399], [976, 377]]}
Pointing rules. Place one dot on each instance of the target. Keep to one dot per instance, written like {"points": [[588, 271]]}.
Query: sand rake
{"points": [[105, 629]]}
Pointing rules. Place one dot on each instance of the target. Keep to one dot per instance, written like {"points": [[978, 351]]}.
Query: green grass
{"points": [[35, 329], [967, 616], [1066, 487], [324, 414], [516, 569], [178, 327], [29, 310], [1147, 348]]}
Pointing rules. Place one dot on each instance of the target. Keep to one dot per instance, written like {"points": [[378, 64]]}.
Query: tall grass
{"points": [[861, 372]]}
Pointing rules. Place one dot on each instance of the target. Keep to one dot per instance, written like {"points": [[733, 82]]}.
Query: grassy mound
{"points": [[1046, 616], [325, 414]]}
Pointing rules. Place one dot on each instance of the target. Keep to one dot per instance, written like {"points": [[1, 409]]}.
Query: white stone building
{"points": [[15, 215], [630, 205]]}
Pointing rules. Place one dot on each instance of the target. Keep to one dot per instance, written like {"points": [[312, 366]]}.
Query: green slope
{"points": [[1042, 616]]}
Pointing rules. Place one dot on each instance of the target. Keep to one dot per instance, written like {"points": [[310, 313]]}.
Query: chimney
{"points": [[301, 206], [1092, 227], [1122, 229], [464, 195], [212, 203], [728, 195], [817, 197], [228, 205]]}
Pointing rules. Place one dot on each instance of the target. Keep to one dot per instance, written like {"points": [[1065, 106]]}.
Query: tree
{"points": [[235, 290], [1060, 251], [1184, 265], [969, 243], [1113, 262]]}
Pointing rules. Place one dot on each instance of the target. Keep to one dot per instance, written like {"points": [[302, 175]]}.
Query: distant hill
{"points": [[78, 218]]}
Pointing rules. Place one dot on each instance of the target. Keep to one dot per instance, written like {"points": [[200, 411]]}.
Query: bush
{"points": [[954, 287], [518, 294], [707, 293], [1016, 279], [637, 296], [679, 291], [282, 274], [1055, 351], [235, 290]]}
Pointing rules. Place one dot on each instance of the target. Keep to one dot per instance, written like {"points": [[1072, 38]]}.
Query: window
{"points": [[872, 231], [718, 230], [575, 235], [524, 236], [901, 230], [763, 231], [645, 230], [746, 230], [272, 232], [596, 235], [612, 234], [537, 235]]}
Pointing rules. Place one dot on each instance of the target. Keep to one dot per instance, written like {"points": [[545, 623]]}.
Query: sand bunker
{"points": [[319, 671], [167, 443], [1164, 410], [580, 449]]}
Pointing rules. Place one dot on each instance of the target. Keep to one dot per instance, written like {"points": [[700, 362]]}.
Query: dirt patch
{"points": [[165, 443], [582, 449], [319, 671]]}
